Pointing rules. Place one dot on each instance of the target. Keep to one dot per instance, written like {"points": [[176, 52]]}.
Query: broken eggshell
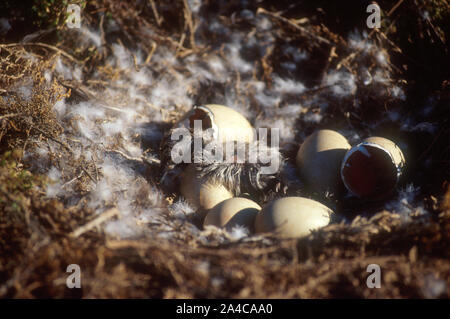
{"points": [[200, 193], [372, 168], [319, 159], [226, 123], [233, 212], [292, 217]]}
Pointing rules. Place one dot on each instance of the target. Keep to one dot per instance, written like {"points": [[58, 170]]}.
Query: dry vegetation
{"points": [[40, 234]]}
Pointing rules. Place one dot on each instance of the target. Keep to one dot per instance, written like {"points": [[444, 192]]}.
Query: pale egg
{"points": [[200, 193], [233, 212], [292, 217], [319, 160]]}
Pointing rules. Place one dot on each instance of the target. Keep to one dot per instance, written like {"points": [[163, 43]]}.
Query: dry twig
{"points": [[110, 213]]}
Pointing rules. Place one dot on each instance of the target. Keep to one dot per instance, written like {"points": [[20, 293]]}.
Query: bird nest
{"points": [[84, 112]]}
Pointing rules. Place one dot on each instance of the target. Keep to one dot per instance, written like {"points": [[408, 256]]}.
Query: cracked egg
{"points": [[372, 168], [227, 124]]}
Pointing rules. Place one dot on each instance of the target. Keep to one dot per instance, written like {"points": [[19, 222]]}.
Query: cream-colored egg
{"points": [[227, 124], [233, 212], [319, 159], [372, 168], [292, 217], [200, 193]]}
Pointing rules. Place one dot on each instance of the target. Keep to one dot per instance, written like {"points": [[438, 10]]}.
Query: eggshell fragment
{"points": [[372, 168], [319, 159], [393, 149], [233, 212], [200, 193], [292, 217], [227, 124]]}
